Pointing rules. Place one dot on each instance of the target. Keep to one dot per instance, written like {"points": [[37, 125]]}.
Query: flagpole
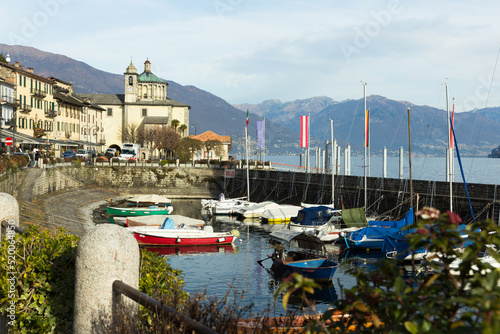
{"points": [[248, 176], [366, 142], [264, 141], [308, 142]]}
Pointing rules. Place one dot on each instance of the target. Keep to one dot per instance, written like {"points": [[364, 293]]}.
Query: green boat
{"points": [[140, 211]]}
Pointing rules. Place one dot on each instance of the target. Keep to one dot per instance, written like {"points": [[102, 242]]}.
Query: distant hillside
{"points": [[208, 112], [477, 131]]}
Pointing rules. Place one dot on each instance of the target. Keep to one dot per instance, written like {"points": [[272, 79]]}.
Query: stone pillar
{"points": [[9, 211], [105, 253]]}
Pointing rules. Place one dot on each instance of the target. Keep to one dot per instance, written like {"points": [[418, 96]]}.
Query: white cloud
{"points": [[249, 51]]}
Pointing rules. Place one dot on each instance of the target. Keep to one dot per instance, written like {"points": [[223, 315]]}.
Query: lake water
{"points": [[215, 268], [476, 170]]}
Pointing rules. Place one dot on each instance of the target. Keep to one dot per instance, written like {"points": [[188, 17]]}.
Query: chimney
{"points": [[21, 67], [30, 69], [16, 64]]}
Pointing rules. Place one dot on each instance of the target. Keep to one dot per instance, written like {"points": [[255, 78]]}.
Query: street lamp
{"points": [[90, 128]]}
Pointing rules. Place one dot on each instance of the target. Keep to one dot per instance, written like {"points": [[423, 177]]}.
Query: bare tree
{"points": [[130, 134], [167, 139]]}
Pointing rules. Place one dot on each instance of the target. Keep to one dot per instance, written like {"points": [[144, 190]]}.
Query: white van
{"points": [[129, 151]]}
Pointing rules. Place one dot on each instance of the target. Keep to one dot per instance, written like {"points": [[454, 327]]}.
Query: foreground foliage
{"points": [[432, 298], [44, 276]]}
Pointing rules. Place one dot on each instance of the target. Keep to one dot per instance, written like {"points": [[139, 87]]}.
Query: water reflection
{"points": [[216, 269]]}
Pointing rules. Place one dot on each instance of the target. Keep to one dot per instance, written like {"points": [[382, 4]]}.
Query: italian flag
{"points": [[247, 117]]}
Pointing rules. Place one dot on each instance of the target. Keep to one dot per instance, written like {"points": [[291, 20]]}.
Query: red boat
{"points": [[181, 236]]}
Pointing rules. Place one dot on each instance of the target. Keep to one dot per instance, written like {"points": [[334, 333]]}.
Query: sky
{"points": [[249, 51]]}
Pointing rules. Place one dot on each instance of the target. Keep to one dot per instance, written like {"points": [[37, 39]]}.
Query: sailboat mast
{"points": [[449, 154], [366, 140], [333, 165], [409, 150]]}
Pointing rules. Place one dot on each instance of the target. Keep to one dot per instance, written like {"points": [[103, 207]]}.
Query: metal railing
{"points": [[6, 225], [158, 307]]}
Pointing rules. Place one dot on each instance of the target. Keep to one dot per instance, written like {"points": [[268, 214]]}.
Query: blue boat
{"points": [[311, 265], [397, 246], [372, 236]]}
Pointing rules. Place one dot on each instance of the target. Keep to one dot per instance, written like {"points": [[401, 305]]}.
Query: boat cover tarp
{"points": [[354, 217], [152, 198], [298, 239], [399, 242], [316, 215], [406, 220]]}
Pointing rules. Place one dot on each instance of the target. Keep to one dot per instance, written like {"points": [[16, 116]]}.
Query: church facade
{"points": [[144, 103]]}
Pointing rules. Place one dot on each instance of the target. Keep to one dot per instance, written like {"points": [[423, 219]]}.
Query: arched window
{"points": [[130, 81]]}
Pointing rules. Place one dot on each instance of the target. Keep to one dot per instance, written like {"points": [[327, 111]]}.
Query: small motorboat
{"points": [[280, 215], [316, 220], [139, 211], [302, 256], [184, 235], [256, 210]]}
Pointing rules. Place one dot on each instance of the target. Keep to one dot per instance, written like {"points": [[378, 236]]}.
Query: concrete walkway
{"points": [[70, 209]]}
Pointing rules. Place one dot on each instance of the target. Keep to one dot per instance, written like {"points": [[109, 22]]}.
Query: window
{"points": [[110, 111], [144, 112], [130, 81]]}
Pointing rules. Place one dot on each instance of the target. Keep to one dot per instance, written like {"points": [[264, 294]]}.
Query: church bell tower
{"points": [[131, 84]]}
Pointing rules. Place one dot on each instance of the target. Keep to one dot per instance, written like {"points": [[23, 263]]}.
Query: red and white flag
{"points": [[367, 127], [304, 131]]}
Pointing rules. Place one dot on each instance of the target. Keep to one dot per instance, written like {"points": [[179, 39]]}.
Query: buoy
{"points": [[178, 240]]}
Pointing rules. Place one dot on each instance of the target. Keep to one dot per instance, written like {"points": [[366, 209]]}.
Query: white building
{"points": [[144, 102]]}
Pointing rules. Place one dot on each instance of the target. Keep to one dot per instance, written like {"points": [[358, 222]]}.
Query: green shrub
{"points": [[163, 162], [77, 163], [431, 298], [45, 277]]}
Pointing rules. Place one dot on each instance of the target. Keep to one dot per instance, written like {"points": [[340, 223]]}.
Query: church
{"points": [[144, 103]]}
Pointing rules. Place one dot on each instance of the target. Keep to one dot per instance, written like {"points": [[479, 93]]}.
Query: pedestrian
{"points": [[35, 157]]}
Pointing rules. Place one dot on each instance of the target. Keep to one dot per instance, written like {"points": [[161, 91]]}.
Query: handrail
{"points": [[5, 224], [157, 306]]}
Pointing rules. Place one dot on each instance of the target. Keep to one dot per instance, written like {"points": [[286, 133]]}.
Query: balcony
{"points": [[10, 101], [24, 108], [38, 93], [50, 113]]}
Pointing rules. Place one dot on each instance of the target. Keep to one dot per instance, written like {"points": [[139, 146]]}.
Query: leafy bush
{"points": [[433, 298], [77, 163], [163, 162], [100, 160], [45, 277]]}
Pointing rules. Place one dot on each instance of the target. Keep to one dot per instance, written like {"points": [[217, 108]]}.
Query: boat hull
{"points": [[319, 269], [138, 211], [173, 238]]}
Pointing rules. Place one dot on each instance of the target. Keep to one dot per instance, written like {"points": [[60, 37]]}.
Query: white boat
{"points": [[256, 210], [280, 215], [158, 220], [224, 206]]}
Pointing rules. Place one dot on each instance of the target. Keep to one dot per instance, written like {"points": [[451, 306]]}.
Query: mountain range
{"points": [[477, 131]]}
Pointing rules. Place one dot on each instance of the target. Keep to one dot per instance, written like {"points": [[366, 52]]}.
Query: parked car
{"points": [[82, 154], [69, 154]]}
